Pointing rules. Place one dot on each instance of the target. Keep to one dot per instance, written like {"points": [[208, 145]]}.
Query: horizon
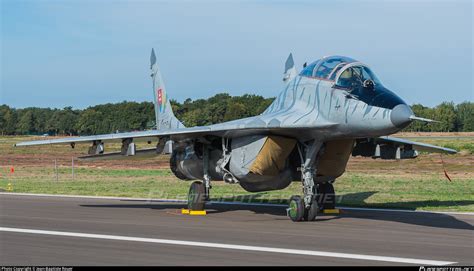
{"points": [[81, 53]]}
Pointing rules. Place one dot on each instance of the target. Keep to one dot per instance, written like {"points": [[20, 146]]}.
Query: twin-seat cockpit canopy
{"points": [[345, 71]]}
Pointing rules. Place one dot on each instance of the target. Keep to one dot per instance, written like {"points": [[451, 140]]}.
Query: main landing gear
{"points": [[196, 196], [198, 193]]}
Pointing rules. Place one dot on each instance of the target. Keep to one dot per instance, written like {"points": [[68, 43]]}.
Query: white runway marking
{"points": [[231, 246], [227, 203]]}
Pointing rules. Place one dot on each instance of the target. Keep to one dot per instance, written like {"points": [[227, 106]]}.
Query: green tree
{"points": [[5, 112], [131, 116], [26, 122], [66, 120], [89, 122], [10, 121], [445, 113], [235, 111], [465, 116]]}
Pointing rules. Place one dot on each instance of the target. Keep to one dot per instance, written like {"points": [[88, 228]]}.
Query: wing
{"points": [[386, 147], [140, 136], [243, 127], [415, 145]]}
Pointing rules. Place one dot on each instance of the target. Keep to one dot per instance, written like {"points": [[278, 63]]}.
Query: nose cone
{"points": [[400, 116]]}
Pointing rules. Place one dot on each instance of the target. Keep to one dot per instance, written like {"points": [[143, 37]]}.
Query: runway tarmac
{"points": [[91, 231]]}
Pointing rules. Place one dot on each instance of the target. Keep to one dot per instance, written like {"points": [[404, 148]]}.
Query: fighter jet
{"points": [[334, 108]]}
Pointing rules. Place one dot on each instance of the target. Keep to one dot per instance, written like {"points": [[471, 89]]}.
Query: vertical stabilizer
{"points": [[164, 115]]}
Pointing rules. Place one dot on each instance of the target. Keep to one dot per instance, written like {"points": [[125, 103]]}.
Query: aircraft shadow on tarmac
{"points": [[427, 219]]}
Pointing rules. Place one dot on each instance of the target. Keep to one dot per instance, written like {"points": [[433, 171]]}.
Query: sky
{"points": [[59, 53]]}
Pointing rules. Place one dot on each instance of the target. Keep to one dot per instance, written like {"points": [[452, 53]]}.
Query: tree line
{"points": [[132, 116], [450, 117]]}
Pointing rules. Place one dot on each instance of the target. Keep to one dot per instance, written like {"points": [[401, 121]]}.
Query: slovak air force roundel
{"points": [[161, 99]]}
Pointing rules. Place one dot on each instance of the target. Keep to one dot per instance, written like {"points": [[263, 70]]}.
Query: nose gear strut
{"points": [[307, 207]]}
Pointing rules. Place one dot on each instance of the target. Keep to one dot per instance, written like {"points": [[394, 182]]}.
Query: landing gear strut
{"points": [[307, 207], [199, 191]]}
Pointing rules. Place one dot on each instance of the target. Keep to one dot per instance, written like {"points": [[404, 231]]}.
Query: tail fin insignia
{"points": [[161, 100]]}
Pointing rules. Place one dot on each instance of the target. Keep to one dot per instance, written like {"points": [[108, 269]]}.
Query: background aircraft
{"points": [[333, 108]]}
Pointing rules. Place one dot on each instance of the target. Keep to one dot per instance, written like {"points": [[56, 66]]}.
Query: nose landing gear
{"points": [[315, 197], [306, 208]]}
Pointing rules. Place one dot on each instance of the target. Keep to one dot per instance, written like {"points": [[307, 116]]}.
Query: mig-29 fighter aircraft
{"points": [[333, 108]]}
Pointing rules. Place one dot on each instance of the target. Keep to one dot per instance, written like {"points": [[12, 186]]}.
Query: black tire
{"points": [[311, 213], [196, 196], [296, 208], [326, 196]]}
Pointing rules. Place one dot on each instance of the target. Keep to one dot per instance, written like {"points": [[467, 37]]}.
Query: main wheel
{"points": [[326, 196], [296, 208], [196, 196], [311, 213]]}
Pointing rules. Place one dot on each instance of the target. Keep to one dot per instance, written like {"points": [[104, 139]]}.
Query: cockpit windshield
{"points": [[329, 64], [355, 76], [308, 70], [326, 68]]}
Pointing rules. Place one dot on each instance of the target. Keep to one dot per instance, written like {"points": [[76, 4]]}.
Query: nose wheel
{"points": [[311, 212], [298, 212], [296, 208]]}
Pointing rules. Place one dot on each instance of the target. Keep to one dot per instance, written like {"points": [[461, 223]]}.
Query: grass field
{"points": [[409, 184]]}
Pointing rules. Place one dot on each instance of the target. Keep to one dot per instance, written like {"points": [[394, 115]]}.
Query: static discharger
{"points": [[193, 212]]}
